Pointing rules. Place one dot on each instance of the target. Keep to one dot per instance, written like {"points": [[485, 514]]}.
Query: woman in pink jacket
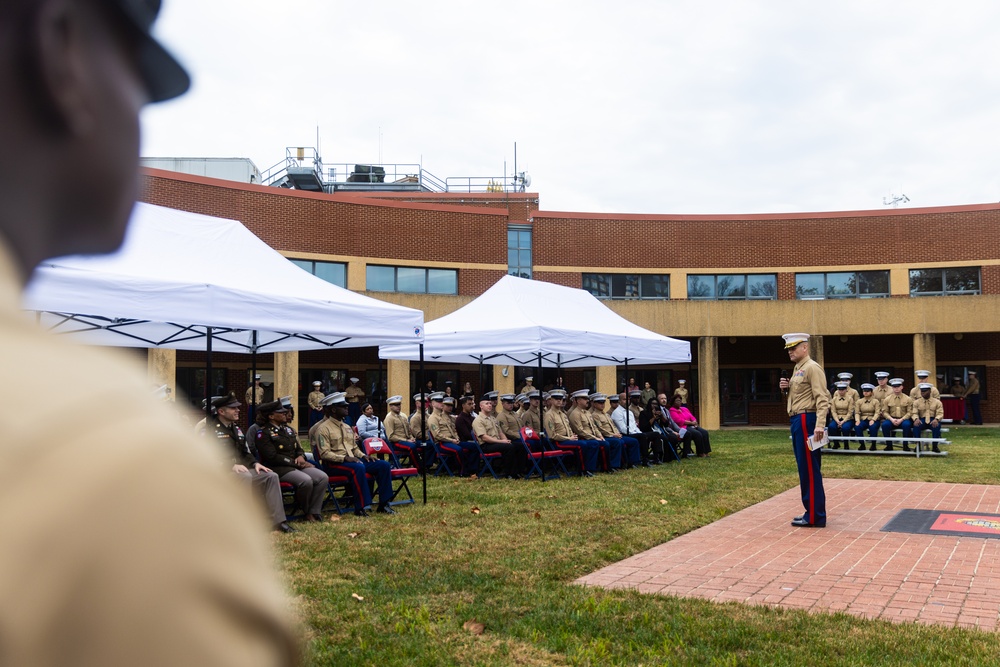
{"points": [[685, 419]]}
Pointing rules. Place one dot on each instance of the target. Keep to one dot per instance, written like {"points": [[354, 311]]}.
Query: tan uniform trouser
{"points": [[268, 487]]}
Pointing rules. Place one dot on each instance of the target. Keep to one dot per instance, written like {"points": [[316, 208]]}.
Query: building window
{"points": [[519, 250], [627, 285], [842, 285], [941, 282], [733, 286], [411, 279], [331, 272]]}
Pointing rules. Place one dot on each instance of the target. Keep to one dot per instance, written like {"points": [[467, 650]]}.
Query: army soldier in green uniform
{"points": [[280, 450]]}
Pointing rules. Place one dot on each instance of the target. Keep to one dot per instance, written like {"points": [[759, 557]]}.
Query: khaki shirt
{"points": [[532, 419], [527, 389], [146, 550], [354, 394], [442, 427], [683, 393], [509, 424], [416, 424], [604, 425], [807, 390], [397, 427], [869, 409], [557, 426], [898, 406], [582, 424], [486, 425], [842, 406], [882, 393], [957, 390], [313, 400], [249, 393], [973, 387], [928, 409], [915, 393], [334, 440], [853, 393]]}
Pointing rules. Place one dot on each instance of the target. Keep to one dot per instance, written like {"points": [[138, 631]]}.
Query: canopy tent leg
{"points": [[541, 408], [208, 376], [423, 420], [252, 408]]}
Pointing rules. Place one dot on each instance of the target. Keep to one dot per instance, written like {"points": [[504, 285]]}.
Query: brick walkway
{"points": [[756, 557]]}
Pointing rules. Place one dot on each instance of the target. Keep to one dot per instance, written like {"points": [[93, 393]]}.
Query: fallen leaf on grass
{"points": [[475, 627], [662, 501], [334, 517], [443, 522], [353, 535], [550, 496], [357, 597], [473, 476], [538, 515], [475, 510]]}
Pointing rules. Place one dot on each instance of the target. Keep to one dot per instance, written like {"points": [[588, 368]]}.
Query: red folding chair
{"points": [[538, 455], [443, 452], [379, 448]]}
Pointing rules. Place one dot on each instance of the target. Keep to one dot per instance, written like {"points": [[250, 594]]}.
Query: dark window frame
{"points": [[944, 291], [395, 279], [517, 268], [310, 266], [858, 283], [744, 296], [632, 281]]}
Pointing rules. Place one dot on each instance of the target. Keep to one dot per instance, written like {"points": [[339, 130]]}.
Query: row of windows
{"points": [[379, 278], [834, 285]]}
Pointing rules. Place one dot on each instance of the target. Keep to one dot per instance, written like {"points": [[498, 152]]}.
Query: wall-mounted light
{"points": [[732, 340], [843, 339], [958, 336]]}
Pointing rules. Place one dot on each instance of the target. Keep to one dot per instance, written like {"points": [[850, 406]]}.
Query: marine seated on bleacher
{"points": [[927, 413], [841, 413], [897, 409]]}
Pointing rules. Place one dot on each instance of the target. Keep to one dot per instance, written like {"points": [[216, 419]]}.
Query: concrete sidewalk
{"points": [[756, 557]]}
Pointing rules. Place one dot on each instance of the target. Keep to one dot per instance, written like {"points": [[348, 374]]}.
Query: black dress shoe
{"points": [[587, 473], [801, 517], [385, 509], [318, 517], [800, 522], [283, 527], [361, 513], [936, 450]]}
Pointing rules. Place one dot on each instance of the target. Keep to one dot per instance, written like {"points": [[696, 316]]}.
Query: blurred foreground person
{"points": [[145, 552]]}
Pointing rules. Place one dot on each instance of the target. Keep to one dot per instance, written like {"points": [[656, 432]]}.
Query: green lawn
{"points": [[430, 570]]}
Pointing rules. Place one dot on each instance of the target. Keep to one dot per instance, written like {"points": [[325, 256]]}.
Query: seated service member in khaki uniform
{"points": [[922, 376], [492, 439], [560, 433], [339, 452], [841, 413], [867, 415], [808, 403], [583, 425], [507, 416], [280, 450], [851, 391], [927, 413], [531, 417], [882, 389], [445, 433], [398, 433], [607, 429], [896, 412]]}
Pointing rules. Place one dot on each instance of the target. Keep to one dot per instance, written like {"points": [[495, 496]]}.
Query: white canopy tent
{"points": [[533, 323], [180, 277]]}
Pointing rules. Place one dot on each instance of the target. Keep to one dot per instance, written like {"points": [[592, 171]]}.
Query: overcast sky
{"points": [[629, 106]]}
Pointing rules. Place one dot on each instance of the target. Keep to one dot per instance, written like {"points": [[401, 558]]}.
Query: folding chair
{"points": [[485, 457], [536, 458], [377, 448], [335, 481], [575, 452], [443, 453]]}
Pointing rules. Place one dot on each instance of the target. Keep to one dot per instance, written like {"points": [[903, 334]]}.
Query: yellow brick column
{"points": [[398, 378], [925, 355], [286, 380], [607, 380], [709, 411], [161, 368], [816, 349], [504, 385]]}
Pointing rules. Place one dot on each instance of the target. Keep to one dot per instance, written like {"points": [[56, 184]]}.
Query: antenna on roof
{"points": [[895, 200]]}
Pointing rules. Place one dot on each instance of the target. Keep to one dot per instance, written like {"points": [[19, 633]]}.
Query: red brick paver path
{"points": [[756, 557]]}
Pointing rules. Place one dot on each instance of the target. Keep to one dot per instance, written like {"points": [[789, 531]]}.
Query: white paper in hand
{"points": [[815, 444]]}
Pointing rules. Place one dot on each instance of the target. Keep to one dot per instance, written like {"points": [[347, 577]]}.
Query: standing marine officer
{"points": [[808, 404], [314, 398]]}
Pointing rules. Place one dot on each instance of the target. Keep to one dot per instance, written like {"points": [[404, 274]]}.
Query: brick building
{"points": [[922, 289]]}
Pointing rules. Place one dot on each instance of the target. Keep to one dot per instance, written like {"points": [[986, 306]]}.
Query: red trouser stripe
{"points": [[809, 467], [354, 478]]}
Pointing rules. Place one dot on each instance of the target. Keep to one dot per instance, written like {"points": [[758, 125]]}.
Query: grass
{"points": [[427, 572]]}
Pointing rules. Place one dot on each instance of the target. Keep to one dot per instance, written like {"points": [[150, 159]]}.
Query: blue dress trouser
{"points": [[808, 462], [846, 430], [633, 453], [887, 429], [357, 474], [611, 453], [589, 452], [924, 426]]}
